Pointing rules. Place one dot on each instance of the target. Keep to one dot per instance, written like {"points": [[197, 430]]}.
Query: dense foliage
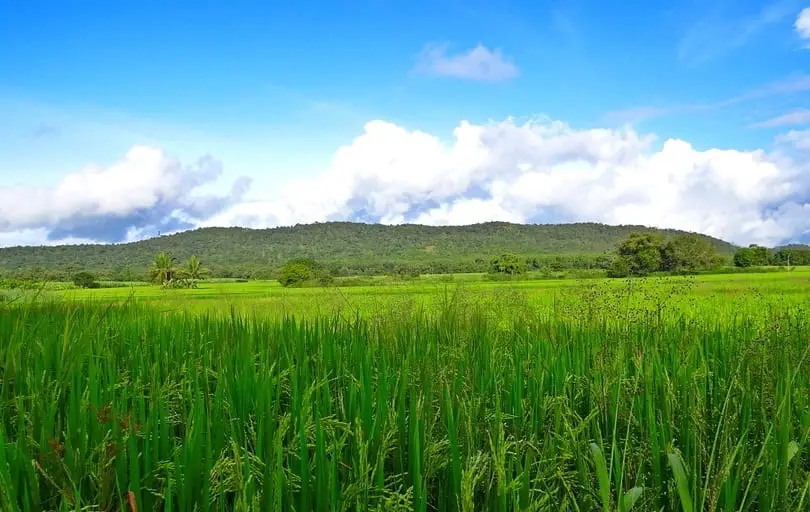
{"points": [[508, 264], [464, 409], [757, 256], [303, 271], [85, 280], [343, 248], [641, 254]]}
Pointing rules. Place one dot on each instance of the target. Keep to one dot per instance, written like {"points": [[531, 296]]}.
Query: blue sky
{"points": [[277, 93]]}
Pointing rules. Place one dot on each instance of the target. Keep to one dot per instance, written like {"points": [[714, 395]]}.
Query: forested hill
{"points": [[351, 247]]}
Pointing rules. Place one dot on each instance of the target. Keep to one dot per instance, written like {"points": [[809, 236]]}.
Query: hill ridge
{"points": [[361, 247]]}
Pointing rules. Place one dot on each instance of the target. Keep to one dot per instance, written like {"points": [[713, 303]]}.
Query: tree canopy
{"points": [[752, 256], [300, 271], [688, 254], [85, 280], [641, 254], [508, 264]]}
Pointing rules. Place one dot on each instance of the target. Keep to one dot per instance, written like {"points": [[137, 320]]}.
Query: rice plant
{"points": [[129, 408]]}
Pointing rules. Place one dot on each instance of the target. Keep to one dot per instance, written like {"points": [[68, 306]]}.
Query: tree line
{"points": [[758, 256]]}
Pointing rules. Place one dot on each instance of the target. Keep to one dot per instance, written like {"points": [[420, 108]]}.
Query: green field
{"points": [[735, 294], [676, 393]]}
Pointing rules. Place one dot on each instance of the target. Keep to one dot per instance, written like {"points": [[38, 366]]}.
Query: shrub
{"points": [[294, 274], [619, 268], [509, 264], [304, 271], [85, 280]]}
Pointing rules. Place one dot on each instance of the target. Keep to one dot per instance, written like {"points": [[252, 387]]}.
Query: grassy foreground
{"points": [[109, 407]]}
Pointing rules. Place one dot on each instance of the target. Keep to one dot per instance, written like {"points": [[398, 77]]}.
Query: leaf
{"points": [[793, 449], [631, 497], [681, 481], [601, 476]]}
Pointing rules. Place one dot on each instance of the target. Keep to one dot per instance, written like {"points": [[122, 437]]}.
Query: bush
{"points": [[304, 272], [509, 264], [619, 269], [85, 280], [294, 274]]}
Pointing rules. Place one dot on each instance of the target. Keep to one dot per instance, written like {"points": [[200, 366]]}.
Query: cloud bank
{"points": [[479, 64], [529, 172], [143, 193]]}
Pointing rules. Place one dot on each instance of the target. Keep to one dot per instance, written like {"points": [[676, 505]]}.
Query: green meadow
{"points": [[461, 394], [688, 294]]}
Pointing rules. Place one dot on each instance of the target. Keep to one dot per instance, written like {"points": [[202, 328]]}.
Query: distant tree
{"points": [[744, 257], [404, 272], [557, 264], [603, 262], [294, 274], [85, 280], [123, 273], [508, 264], [641, 253], [795, 255], [302, 270], [619, 268], [752, 256], [688, 254], [194, 271], [760, 255], [163, 269]]}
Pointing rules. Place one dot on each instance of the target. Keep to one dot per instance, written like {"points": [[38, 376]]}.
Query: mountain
{"points": [[347, 248]]}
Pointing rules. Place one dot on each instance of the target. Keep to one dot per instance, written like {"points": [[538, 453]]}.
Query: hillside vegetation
{"points": [[346, 248]]}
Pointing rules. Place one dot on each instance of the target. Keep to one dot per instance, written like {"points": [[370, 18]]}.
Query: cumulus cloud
{"points": [[797, 117], [802, 24], [547, 172], [145, 191], [479, 64], [538, 171]]}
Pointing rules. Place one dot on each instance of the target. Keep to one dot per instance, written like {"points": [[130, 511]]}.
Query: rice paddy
{"points": [[664, 394]]}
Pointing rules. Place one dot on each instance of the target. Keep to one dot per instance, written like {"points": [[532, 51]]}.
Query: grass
{"points": [[674, 394], [732, 292]]}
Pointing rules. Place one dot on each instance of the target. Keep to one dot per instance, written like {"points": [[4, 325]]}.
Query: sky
{"points": [[123, 120]]}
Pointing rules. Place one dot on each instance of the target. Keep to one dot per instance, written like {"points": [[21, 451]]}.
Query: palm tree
{"points": [[194, 270], [163, 269]]}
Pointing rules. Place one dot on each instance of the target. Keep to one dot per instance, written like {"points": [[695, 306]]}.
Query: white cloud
{"points": [[803, 24], [546, 172], [532, 172], [799, 139], [479, 64], [797, 117], [146, 189]]}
